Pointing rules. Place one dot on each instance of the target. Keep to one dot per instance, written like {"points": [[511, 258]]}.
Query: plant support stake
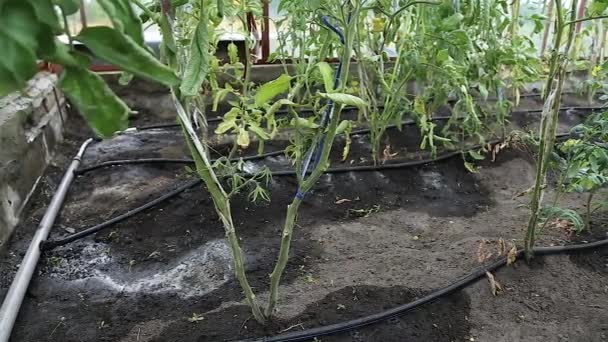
{"points": [[14, 297]]}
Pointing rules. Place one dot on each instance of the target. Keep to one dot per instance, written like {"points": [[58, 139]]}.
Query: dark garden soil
{"points": [[365, 242]]}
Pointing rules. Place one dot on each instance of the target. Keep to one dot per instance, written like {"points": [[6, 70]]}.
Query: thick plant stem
{"points": [[222, 207], [549, 120], [204, 168], [275, 276], [305, 184]]}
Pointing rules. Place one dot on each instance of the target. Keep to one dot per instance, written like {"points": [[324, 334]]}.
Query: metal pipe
{"points": [[14, 297]]}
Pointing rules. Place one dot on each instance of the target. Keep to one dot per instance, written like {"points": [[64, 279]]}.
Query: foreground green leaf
{"points": [[18, 45], [68, 6], [270, 90], [102, 109], [198, 64], [124, 18], [120, 50]]}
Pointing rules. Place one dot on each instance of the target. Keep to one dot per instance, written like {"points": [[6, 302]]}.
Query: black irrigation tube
{"points": [[165, 161], [190, 161], [272, 153], [459, 284], [309, 110], [361, 168], [96, 228]]}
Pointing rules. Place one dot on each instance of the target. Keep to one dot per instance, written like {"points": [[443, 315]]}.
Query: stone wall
{"points": [[31, 125]]}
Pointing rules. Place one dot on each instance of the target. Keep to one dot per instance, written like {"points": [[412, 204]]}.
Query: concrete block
{"points": [[31, 126]]}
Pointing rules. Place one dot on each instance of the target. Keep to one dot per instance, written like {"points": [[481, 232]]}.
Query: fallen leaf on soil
{"points": [[512, 255], [495, 286], [195, 318], [483, 254], [387, 155]]}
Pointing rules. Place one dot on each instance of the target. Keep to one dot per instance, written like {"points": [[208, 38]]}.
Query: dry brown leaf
{"points": [[502, 247], [386, 154], [512, 255], [495, 286], [482, 253]]}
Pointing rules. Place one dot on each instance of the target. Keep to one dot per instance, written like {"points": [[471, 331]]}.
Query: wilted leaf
{"points": [[198, 63], [257, 130], [122, 51], [102, 109], [327, 72], [219, 95], [303, 123], [345, 99], [512, 255], [243, 139], [495, 286]]}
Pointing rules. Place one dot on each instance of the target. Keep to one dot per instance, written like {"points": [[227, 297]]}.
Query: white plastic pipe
{"points": [[14, 297]]}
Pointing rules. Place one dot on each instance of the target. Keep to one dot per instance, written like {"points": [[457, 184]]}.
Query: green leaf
{"points": [[303, 123], [225, 126], [46, 14], [124, 18], [470, 167], [442, 56], [243, 138], [102, 109], [198, 63], [257, 130], [452, 22], [168, 48], [18, 45], [125, 78], [598, 7], [67, 6], [220, 95], [343, 126], [327, 72], [476, 155], [459, 37], [483, 91], [122, 51], [229, 121], [346, 99], [52, 50], [271, 89]]}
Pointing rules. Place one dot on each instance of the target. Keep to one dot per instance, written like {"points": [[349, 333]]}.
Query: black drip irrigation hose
{"points": [[47, 245], [459, 284], [309, 110], [165, 161], [361, 168]]}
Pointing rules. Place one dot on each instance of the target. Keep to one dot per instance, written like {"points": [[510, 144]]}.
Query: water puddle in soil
{"points": [[196, 273]]}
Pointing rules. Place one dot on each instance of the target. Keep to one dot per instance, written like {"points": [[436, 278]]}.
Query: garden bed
{"points": [[365, 242]]}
